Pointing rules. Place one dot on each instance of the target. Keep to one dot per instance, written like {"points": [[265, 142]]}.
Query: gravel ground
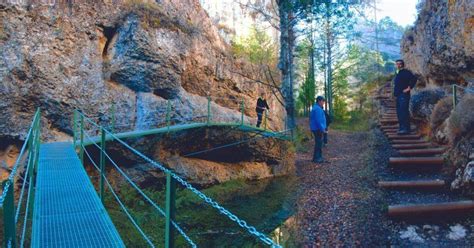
{"points": [[340, 204]]}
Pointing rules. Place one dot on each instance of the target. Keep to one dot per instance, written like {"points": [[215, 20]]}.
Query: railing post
{"points": [[38, 139], [455, 100], [242, 109], [112, 114], [102, 164], [9, 216], [74, 127], [81, 154], [208, 110], [265, 120], [170, 210], [168, 114]]}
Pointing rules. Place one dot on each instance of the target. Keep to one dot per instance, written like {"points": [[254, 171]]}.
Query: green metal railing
{"points": [[458, 91], [12, 210], [171, 226], [174, 113]]}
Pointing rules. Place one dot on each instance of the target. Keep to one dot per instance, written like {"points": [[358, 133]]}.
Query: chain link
{"points": [[17, 163], [207, 199], [242, 223]]}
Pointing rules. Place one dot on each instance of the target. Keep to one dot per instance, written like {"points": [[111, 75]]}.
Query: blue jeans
{"points": [[318, 146], [403, 113]]}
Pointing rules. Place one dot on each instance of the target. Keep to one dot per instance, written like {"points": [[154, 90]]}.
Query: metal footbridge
{"points": [[49, 199]]}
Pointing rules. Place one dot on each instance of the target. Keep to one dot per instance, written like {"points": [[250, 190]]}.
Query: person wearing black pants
{"points": [[317, 124], [328, 121], [404, 83], [261, 107]]}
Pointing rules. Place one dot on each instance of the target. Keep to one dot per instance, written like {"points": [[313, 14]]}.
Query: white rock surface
{"points": [[411, 235]]}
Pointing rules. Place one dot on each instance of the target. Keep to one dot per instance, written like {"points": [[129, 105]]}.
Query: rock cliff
{"points": [[132, 56], [440, 46], [439, 49]]}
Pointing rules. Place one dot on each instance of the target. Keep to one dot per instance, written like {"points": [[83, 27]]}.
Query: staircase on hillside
{"points": [[416, 169]]}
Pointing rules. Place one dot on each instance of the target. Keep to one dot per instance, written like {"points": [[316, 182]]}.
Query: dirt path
{"points": [[339, 203]]}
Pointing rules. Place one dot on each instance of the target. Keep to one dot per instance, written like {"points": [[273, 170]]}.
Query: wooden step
{"points": [[432, 209], [412, 146], [389, 121], [407, 141], [417, 184], [420, 152], [393, 135], [403, 137], [416, 160]]}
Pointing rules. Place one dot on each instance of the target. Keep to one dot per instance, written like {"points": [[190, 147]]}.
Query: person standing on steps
{"points": [[403, 83], [261, 107], [317, 124]]}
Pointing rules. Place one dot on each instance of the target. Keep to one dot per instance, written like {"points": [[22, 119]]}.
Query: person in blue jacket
{"points": [[317, 124]]}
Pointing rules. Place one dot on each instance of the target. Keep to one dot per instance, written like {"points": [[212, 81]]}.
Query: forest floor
{"points": [[336, 204], [340, 204]]}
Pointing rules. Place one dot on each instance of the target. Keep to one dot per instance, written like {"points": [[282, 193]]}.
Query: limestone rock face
{"points": [[422, 103], [203, 155], [135, 56], [440, 46], [130, 59], [439, 49]]}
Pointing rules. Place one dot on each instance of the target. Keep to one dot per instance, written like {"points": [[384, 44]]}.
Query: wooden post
{"points": [[170, 210]]}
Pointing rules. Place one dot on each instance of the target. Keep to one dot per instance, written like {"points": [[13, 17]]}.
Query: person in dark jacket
{"points": [[403, 83], [317, 124], [261, 107], [328, 121]]}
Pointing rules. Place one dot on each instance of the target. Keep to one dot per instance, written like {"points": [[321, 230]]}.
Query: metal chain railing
{"points": [[101, 170], [171, 177], [12, 211]]}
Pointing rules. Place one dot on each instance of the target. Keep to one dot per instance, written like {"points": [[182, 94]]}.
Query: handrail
{"points": [[168, 114], [170, 189], [11, 213], [455, 92]]}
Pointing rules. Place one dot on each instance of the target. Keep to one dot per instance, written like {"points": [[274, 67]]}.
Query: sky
{"points": [[401, 11]]}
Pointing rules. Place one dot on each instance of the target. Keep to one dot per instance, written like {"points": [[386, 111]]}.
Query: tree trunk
{"points": [[286, 60], [329, 61], [325, 79]]}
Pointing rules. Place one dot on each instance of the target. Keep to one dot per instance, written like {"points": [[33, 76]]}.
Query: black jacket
{"points": [[403, 79], [261, 105], [328, 118]]}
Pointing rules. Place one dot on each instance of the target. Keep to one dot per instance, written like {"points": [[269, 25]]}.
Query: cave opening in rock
{"points": [[109, 33]]}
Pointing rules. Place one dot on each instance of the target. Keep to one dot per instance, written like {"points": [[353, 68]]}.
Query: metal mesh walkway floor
{"points": [[67, 209]]}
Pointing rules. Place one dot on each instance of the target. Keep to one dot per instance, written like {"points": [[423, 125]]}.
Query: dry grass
{"points": [[153, 15], [441, 112], [461, 122]]}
